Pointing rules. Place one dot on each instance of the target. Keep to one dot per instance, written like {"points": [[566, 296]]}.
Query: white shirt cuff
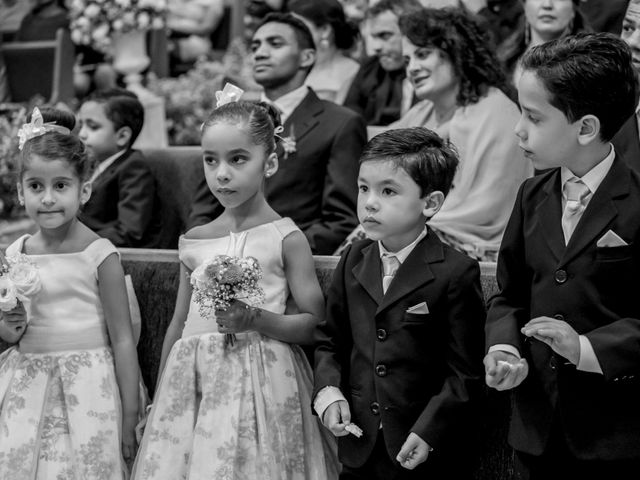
{"points": [[504, 347], [325, 397], [588, 362]]}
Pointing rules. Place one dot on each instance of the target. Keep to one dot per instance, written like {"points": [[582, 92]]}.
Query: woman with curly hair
{"points": [[464, 98]]}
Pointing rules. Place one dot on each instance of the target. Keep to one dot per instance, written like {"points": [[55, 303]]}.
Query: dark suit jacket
{"points": [[595, 290], [121, 207], [317, 185], [376, 94], [627, 143], [414, 372]]}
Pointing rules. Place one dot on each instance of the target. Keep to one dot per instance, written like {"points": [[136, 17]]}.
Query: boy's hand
{"points": [[239, 317], [336, 417], [414, 451], [13, 323], [129, 444], [504, 371], [558, 334]]}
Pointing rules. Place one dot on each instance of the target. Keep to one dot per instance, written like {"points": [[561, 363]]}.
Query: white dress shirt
{"points": [[330, 394], [103, 165], [587, 362], [288, 102]]}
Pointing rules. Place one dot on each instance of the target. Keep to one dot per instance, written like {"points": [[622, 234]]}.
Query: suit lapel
{"points": [[304, 118], [549, 213], [414, 271], [368, 272], [601, 210]]}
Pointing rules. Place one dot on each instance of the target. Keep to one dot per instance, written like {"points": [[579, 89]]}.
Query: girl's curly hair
{"points": [[466, 44]]}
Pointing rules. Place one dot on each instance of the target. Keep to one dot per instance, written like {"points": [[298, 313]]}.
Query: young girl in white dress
{"points": [[240, 411], [69, 388]]}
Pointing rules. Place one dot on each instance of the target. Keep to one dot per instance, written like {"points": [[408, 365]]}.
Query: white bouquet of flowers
{"points": [[19, 280], [224, 278], [94, 22]]}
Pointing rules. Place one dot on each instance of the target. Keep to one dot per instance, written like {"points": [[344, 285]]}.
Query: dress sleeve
{"points": [[16, 247], [100, 249]]}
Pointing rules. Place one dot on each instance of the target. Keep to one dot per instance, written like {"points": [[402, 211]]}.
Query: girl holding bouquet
{"points": [[69, 388], [240, 409]]}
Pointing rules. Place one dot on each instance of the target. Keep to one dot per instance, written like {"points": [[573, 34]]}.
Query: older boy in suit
{"points": [[564, 329], [400, 352], [315, 183]]}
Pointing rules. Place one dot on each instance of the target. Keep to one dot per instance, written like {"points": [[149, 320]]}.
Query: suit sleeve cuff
{"points": [[326, 397], [588, 362], [503, 347]]}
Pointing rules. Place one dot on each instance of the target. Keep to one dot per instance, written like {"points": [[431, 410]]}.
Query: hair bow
{"points": [[37, 127], [230, 93]]}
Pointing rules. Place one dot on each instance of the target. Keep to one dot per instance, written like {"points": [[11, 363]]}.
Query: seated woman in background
{"points": [[333, 72], [463, 93], [462, 88], [543, 21]]}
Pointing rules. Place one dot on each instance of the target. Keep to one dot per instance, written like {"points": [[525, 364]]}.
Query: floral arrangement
{"points": [[222, 279], [12, 117], [19, 280], [93, 22]]}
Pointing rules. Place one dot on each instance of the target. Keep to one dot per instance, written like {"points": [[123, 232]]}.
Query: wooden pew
{"points": [[155, 275], [40, 68]]}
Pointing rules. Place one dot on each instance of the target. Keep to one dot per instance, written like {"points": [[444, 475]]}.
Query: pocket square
{"points": [[420, 308], [610, 239]]}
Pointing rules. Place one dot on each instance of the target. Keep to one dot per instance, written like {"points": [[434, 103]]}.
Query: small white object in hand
{"points": [[502, 362], [353, 429]]}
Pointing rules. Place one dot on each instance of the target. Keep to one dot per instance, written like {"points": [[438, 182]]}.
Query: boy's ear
{"points": [[85, 192], [123, 137], [589, 129], [432, 203], [271, 165], [307, 58]]}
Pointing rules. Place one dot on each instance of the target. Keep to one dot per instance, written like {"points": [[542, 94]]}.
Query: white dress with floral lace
{"points": [[240, 412], [59, 400]]}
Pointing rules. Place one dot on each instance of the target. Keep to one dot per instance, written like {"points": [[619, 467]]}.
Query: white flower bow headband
{"points": [[37, 127], [229, 94]]}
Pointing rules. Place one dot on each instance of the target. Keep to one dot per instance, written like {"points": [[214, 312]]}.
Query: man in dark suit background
{"points": [[627, 140], [316, 181], [381, 92]]}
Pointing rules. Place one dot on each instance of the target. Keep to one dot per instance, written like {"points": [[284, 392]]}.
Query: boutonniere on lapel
{"points": [[288, 143]]}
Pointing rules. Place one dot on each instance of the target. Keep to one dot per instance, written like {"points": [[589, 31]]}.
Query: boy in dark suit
{"points": [[565, 326], [121, 207], [400, 352]]}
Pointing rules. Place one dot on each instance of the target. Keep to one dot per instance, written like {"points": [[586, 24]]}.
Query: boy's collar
{"points": [[593, 178], [403, 253]]}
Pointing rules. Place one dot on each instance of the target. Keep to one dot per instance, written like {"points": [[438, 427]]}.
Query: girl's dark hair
{"points": [[260, 118], [466, 44], [327, 12], [57, 116], [57, 146]]}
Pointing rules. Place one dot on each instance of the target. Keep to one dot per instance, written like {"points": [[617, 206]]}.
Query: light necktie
{"points": [[390, 265], [577, 194]]}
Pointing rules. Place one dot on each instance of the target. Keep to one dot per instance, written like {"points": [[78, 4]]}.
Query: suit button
{"points": [[375, 408], [553, 364], [558, 316], [381, 333], [381, 370], [561, 276]]}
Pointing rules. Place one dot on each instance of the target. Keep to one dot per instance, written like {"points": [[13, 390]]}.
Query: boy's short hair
{"points": [[587, 74], [429, 160], [302, 32], [123, 108], [397, 7]]}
